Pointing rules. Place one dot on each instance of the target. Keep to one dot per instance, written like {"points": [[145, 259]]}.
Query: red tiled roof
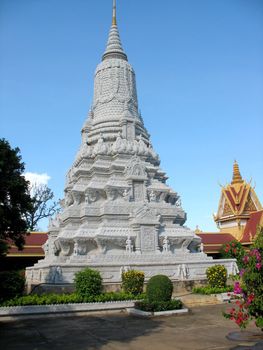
{"points": [[251, 226], [215, 238], [32, 247], [213, 241]]}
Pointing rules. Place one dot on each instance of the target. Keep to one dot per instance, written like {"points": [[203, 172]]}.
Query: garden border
{"points": [[64, 308]]}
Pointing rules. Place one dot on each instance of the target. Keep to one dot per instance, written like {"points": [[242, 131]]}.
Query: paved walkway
{"points": [[203, 329]]}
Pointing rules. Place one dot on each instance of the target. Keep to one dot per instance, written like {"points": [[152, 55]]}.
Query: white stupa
{"points": [[118, 212]]}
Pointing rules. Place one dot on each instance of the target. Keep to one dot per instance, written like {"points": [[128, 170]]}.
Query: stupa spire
{"points": [[114, 48], [114, 21], [237, 178]]}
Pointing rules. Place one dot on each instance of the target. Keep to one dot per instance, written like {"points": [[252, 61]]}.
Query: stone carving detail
{"points": [[138, 191], [147, 214], [135, 168], [129, 245], [201, 247], [101, 147], [68, 199], [55, 222], [234, 268], [65, 247], [45, 247], [166, 245], [114, 79], [80, 248], [56, 274], [112, 193], [91, 195], [148, 240], [183, 271], [126, 194], [152, 196], [77, 197]]}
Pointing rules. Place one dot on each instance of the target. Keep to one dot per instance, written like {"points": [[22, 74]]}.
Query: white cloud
{"points": [[37, 179]]}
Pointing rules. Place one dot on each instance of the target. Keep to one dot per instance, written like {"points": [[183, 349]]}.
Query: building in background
{"points": [[238, 216]]}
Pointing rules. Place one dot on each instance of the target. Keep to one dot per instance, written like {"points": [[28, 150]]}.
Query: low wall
{"points": [[179, 287]]}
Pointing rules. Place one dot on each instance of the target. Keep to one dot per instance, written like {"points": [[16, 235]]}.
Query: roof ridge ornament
{"points": [[114, 48]]}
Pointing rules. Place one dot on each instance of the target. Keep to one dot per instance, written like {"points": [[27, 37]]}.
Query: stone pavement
{"points": [[204, 328]]}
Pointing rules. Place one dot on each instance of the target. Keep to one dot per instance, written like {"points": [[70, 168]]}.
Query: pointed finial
{"points": [[114, 21], [114, 48], [237, 178]]}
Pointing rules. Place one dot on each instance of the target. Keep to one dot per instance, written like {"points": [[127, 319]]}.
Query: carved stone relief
{"points": [[138, 191], [148, 238], [135, 168]]}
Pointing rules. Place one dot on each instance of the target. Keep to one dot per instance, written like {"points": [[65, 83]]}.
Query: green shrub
{"points": [[88, 283], [49, 299], [132, 282], [233, 249], [155, 306], [159, 288], [216, 276], [12, 284], [206, 290]]}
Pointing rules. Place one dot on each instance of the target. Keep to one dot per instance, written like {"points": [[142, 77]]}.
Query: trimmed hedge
{"points": [[88, 282], [159, 288], [12, 284], [206, 290], [156, 306], [132, 282], [51, 299]]}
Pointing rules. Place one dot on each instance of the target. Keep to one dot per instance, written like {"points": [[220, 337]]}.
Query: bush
{"points": [[159, 288], [233, 249], [88, 283], [12, 284], [216, 276], [156, 306], [132, 282]]}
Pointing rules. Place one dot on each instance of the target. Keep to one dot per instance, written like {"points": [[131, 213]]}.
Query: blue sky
{"points": [[199, 70]]}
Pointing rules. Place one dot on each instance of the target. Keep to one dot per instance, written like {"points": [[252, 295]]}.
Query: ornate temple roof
{"points": [[238, 199]]}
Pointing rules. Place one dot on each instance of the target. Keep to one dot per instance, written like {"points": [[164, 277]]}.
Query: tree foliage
{"points": [[248, 292], [42, 205], [233, 249], [15, 200]]}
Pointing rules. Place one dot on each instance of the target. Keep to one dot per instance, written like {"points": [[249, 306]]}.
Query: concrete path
{"points": [[204, 328]]}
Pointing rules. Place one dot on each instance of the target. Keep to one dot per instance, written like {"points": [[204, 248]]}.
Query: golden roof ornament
{"points": [[237, 178]]}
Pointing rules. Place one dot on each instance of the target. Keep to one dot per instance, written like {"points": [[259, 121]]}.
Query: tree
{"points": [[15, 200], [41, 205]]}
